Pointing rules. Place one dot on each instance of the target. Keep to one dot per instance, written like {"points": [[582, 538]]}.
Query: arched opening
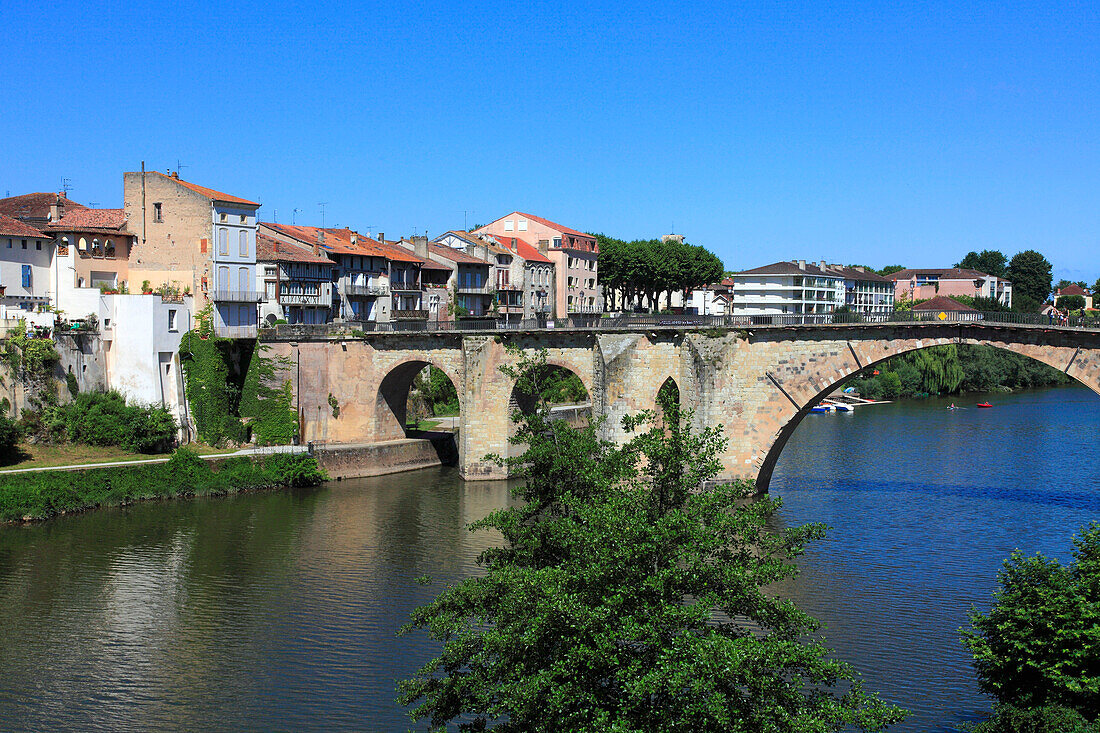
{"points": [[668, 396], [1055, 364], [416, 399], [556, 387]]}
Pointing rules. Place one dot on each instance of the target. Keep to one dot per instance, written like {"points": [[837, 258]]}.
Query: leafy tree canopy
{"points": [[989, 261], [1030, 273], [1039, 644], [625, 599], [649, 267]]}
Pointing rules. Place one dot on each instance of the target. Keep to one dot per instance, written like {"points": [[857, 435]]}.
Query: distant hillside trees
{"points": [[631, 272]]}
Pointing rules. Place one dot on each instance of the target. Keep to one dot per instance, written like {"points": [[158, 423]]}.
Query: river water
{"points": [[279, 611]]}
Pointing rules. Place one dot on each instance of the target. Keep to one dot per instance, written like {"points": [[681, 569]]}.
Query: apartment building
{"points": [[197, 237], [794, 287], [866, 292], [573, 253], [467, 281], [922, 284]]}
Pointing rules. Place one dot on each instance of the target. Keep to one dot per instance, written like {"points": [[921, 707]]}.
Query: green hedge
{"points": [[45, 494]]}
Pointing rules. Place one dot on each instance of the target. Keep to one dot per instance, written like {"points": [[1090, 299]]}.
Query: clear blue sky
{"points": [[902, 133]]}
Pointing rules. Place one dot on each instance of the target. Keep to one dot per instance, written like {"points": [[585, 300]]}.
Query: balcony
{"points": [[367, 291], [468, 289], [236, 332], [407, 286], [410, 315], [305, 299], [237, 296]]}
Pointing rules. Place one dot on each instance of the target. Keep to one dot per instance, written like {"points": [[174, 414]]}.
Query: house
{"points": [[197, 238], [573, 253], [93, 250], [38, 209], [914, 285], [793, 287], [942, 308], [27, 274], [468, 278], [525, 278], [1074, 290], [295, 282]]}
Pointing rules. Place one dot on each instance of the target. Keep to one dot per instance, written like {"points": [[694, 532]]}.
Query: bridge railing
{"points": [[643, 321]]}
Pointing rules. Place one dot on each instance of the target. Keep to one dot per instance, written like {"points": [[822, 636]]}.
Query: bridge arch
{"points": [[392, 395], [826, 375]]}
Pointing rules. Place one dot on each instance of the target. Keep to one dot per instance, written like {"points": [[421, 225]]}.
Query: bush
{"points": [[1046, 719], [10, 435], [104, 419]]}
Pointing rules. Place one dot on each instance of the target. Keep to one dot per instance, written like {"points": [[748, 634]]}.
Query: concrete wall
{"points": [[756, 385]]}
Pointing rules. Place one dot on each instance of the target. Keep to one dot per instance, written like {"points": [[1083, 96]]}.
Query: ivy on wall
{"points": [[227, 379]]}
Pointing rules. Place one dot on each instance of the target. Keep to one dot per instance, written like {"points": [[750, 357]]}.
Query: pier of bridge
{"points": [[757, 383]]}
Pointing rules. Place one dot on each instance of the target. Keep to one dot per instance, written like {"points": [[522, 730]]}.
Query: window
{"points": [[38, 245], [244, 218], [242, 242], [509, 225], [523, 225], [223, 279], [109, 248], [224, 217], [223, 241], [158, 215], [557, 241], [24, 244], [269, 271], [27, 276], [172, 320], [242, 279]]}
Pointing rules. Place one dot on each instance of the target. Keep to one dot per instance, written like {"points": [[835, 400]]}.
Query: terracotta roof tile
{"points": [[943, 273], [35, 205], [90, 219], [1071, 290], [521, 248], [553, 225], [10, 227], [272, 250], [790, 268], [942, 303], [211, 193]]}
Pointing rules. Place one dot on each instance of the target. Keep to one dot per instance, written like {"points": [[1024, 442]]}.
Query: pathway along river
{"points": [[278, 611]]}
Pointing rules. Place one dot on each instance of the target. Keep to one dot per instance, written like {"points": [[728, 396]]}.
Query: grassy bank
{"points": [[47, 494], [41, 455]]}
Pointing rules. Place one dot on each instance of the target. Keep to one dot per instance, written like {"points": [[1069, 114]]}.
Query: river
{"points": [[279, 611]]}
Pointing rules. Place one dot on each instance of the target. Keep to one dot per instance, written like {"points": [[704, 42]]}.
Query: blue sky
{"points": [[859, 133]]}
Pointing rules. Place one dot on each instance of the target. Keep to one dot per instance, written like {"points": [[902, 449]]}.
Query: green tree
{"points": [[624, 599], [1071, 302], [989, 261], [1039, 645], [1046, 719], [1031, 278], [889, 270]]}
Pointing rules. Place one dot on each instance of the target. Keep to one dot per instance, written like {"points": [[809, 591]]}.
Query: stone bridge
{"points": [[756, 383]]}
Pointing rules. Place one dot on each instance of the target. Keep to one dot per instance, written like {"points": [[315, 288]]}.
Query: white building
{"points": [[794, 287], [27, 274], [865, 292]]}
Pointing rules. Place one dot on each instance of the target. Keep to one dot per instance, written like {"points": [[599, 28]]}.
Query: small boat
{"points": [[821, 408], [984, 404], [953, 407], [843, 407]]}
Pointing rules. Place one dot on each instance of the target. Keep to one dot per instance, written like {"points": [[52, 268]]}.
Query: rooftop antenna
{"points": [[66, 186], [93, 204], [275, 216], [323, 204], [178, 166], [294, 216], [466, 219]]}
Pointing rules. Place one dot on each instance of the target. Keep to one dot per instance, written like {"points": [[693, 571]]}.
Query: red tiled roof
{"points": [[10, 227], [454, 255], [552, 225], [211, 193], [272, 250], [99, 219], [942, 303], [35, 205], [522, 248], [944, 273], [1071, 290]]}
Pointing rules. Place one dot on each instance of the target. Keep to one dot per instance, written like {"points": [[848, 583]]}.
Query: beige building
{"points": [[93, 250], [574, 254], [199, 239]]}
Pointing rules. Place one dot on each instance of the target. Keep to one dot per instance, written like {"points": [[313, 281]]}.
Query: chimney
{"points": [[57, 209], [861, 268], [801, 264], [823, 265], [355, 237], [382, 237], [176, 175], [420, 247]]}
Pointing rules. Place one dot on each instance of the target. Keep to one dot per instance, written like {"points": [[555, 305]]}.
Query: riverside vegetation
{"points": [[624, 599], [46, 494]]}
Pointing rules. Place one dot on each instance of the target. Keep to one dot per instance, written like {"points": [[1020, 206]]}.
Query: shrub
{"points": [[1046, 719], [104, 419], [10, 435]]}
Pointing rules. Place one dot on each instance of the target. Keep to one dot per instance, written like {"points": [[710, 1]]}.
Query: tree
{"points": [[649, 267], [889, 270], [989, 261], [1030, 274], [1071, 302], [625, 599], [1039, 645]]}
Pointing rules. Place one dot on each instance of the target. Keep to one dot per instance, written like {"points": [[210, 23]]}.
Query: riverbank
{"points": [[45, 494]]}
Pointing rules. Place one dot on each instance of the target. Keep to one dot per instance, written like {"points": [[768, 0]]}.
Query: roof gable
{"points": [[10, 227]]}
